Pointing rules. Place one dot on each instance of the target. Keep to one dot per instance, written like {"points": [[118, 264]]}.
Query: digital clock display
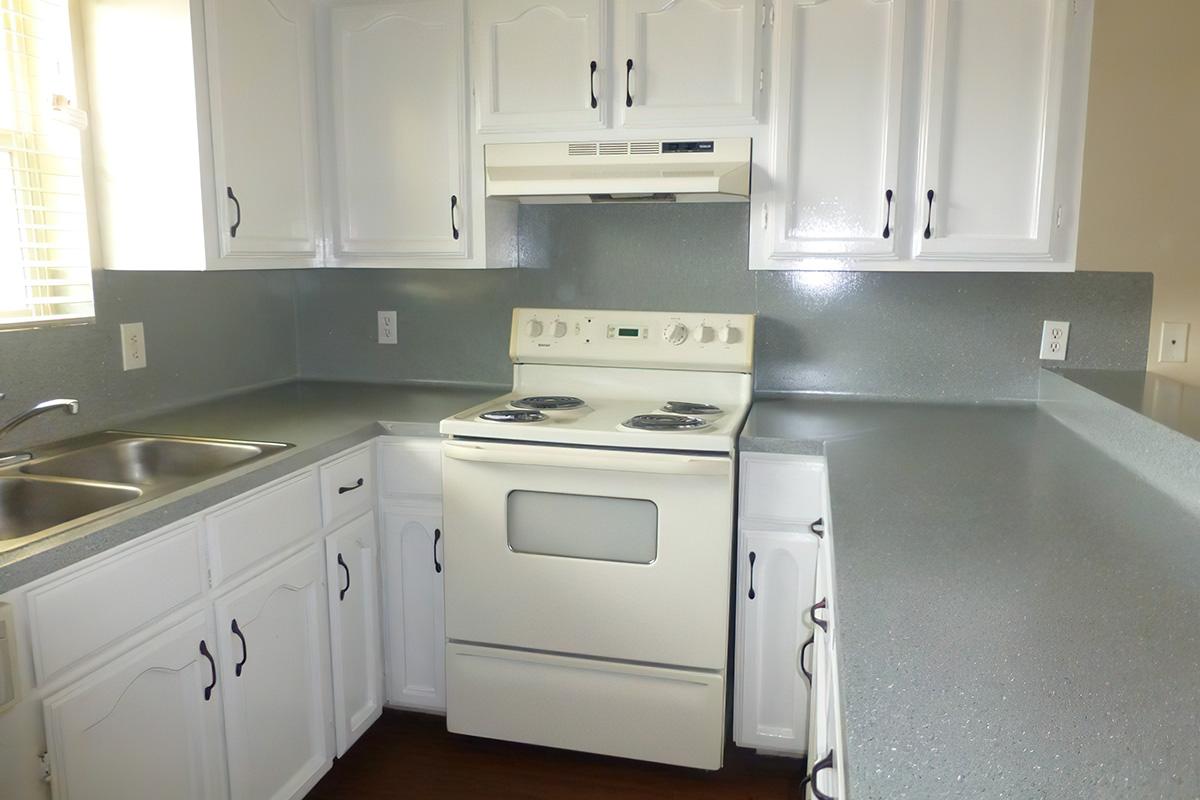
{"points": [[630, 332]]}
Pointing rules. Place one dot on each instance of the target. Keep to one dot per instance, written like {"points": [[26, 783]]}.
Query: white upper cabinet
{"points": [[396, 97], [538, 64], [687, 62], [262, 73], [993, 83], [839, 71]]}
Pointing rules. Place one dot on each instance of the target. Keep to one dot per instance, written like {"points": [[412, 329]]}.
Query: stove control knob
{"points": [[534, 327], [729, 334], [559, 329], [703, 334], [675, 333]]}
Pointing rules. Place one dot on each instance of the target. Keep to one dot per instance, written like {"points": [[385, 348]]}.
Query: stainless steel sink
{"points": [[149, 460], [83, 479], [31, 505]]}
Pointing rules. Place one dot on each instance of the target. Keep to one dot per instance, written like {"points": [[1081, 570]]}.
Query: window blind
{"points": [[45, 256]]}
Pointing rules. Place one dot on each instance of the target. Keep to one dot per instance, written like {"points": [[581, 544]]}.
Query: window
{"points": [[45, 256]]}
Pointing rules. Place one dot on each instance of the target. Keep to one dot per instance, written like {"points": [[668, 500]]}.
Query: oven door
{"points": [[613, 554]]}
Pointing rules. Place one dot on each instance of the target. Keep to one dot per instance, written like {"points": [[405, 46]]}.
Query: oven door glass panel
{"points": [[583, 526]]}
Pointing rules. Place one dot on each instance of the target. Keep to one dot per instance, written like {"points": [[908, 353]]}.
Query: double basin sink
{"points": [[104, 473]]}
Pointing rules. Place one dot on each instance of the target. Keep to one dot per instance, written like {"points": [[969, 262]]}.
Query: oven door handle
{"points": [[534, 456]]}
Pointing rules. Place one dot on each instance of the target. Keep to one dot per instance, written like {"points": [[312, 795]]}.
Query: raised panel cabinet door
{"points": [[355, 635], [397, 83], [151, 718], [262, 87], [839, 72], [992, 105], [685, 62], [776, 583], [538, 64], [276, 688], [416, 624]]}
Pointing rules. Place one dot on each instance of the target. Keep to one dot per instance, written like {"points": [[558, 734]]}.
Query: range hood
{"points": [[646, 170]]}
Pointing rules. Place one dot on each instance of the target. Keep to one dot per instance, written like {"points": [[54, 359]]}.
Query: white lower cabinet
{"points": [[276, 688], [355, 635], [776, 577], [152, 718], [416, 626]]}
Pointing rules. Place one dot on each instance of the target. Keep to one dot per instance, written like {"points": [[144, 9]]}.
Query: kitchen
{"points": [[878, 443]]}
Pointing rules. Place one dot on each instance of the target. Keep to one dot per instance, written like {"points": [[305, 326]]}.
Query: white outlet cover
{"points": [[133, 346], [1054, 340], [387, 327], [1173, 348]]}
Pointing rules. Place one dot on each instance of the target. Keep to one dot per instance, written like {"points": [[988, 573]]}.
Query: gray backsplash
{"points": [[206, 334], [928, 336]]}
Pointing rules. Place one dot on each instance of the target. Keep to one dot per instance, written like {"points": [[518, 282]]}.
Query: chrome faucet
{"points": [[16, 457]]}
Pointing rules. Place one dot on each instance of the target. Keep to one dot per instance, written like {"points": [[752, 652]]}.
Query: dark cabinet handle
{"points": [[453, 210], [929, 219], [592, 82], [212, 665], [233, 229], [824, 763], [437, 535], [887, 224], [818, 527], [812, 614], [342, 563], [357, 485], [628, 76], [237, 668], [803, 649], [752, 557]]}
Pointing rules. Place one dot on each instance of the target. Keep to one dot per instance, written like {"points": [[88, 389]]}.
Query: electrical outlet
{"points": [[133, 346], [387, 327], [1174, 346], [1054, 341]]}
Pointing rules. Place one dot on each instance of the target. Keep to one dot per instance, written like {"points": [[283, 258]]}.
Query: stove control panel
{"points": [[650, 339]]}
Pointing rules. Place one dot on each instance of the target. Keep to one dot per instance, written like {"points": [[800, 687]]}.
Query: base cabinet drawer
{"points": [[89, 609], [348, 485], [410, 467], [782, 488], [263, 524], [629, 710]]}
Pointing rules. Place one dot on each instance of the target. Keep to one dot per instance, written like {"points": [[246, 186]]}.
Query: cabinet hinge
{"points": [[764, 216], [762, 79], [1058, 217], [44, 762], [1075, 7]]}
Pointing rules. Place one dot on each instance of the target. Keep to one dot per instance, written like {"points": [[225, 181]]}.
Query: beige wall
{"points": [[1141, 178]]}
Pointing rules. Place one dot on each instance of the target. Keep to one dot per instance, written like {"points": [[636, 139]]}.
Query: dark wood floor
{"points": [[412, 756]]}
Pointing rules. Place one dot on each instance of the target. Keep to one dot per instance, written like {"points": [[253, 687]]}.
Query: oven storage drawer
{"points": [[670, 716]]}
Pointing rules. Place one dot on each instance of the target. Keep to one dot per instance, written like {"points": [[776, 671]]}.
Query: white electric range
{"points": [[588, 531]]}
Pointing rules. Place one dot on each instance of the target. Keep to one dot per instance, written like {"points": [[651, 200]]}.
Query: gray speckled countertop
{"points": [[319, 418], [1019, 614]]}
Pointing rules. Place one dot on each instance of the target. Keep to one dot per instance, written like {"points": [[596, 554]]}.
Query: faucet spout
{"points": [[68, 405]]}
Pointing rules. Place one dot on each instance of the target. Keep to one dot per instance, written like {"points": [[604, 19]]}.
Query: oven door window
{"points": [[583, 526]]}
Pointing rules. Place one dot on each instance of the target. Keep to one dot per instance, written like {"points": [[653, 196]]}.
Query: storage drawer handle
{"points": [[212, 665], [358, 484], [237, 668], [812, 614], [592, 81], [233, 229], [628, 78], [752, 557], [887, 224], [929, 219], [342, 592], [818, 527], [454, 215], [824, 763], [437, 535], [800, 661]]}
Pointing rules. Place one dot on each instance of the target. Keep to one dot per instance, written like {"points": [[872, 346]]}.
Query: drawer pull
{"points": [[437, 535], [929, 219], [358, 484], [342, 592], [812, 614], [237, 668], [818, 527], [454, 216], [887, 223], [752, 557], [628, 79], [233, 229], [800, 661], [595, 102], [208, 690]]}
